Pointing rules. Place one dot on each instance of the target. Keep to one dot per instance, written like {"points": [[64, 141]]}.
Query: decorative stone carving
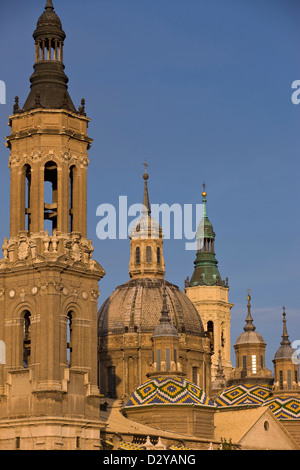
{"points": [[65, 291], [54, 241], [5, 248], [85, 295], [12, 293], [34, 290], [23, 249], [75, 252], [46, 241], [33, 246], [13, 161]]}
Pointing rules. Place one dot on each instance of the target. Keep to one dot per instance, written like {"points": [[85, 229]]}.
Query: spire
{"points": [[165, 311], [146, 203], [285, 336], [49, 6], [206, 265], [49, 89], [165, 326], [249, 320], [204, 200]]}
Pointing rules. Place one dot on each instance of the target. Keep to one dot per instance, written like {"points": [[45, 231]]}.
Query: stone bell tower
{"points": [[49, 398]]}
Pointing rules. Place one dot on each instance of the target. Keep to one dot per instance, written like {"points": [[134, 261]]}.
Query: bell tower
{"points": [[48, 279], [209, 293]]}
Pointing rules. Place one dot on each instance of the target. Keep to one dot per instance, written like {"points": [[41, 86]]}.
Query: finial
{"points": [[81, 109], [249, 320], [49, 5], [285, 336], [146, 203], [204, 194], [145, 176], [16, 105]]}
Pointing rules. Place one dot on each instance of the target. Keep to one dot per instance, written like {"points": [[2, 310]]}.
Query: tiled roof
{"points": [[168, 391]]}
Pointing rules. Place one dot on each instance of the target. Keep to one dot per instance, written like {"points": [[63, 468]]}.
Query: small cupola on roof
{"points": [[206, 266], [250, 355], [49, 88], [285, 351], [286, 366], [165, 344], [250, 336], [146, 242]]}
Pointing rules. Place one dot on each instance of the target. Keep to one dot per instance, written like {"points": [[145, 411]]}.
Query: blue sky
{"points": [[202, 89]]}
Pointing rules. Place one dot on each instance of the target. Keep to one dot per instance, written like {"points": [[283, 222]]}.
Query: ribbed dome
{"points": [[137, 305], [249, 337]]}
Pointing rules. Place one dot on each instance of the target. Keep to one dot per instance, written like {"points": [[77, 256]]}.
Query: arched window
{"points": [[137, 255], [69, 339], [26, 339], [210, 332], [50, 194], [148, 254], [158, 257], [72, 194], [26, 193]]}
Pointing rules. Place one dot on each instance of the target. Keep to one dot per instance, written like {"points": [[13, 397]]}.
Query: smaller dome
{"points": [[242, 395], [205, 230], [168, 391], [145, 225], [285, 407], [49, 24], [285, 351], [250, 337]]}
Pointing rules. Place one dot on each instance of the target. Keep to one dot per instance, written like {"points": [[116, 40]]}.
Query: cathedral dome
{"points": [[136, 306], [171, 390]]}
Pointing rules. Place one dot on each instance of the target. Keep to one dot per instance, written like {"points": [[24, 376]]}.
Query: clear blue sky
{"points": [[202, 89]]}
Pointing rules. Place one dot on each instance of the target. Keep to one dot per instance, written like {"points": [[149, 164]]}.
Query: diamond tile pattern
{"points": [[168, 391]]}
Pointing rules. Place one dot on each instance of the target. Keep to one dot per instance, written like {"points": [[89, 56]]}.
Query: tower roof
{"points": [[206, 270], [285, 350], [249, 335], [49, 25], [49, 88], [205, 227], [146, 226]]}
